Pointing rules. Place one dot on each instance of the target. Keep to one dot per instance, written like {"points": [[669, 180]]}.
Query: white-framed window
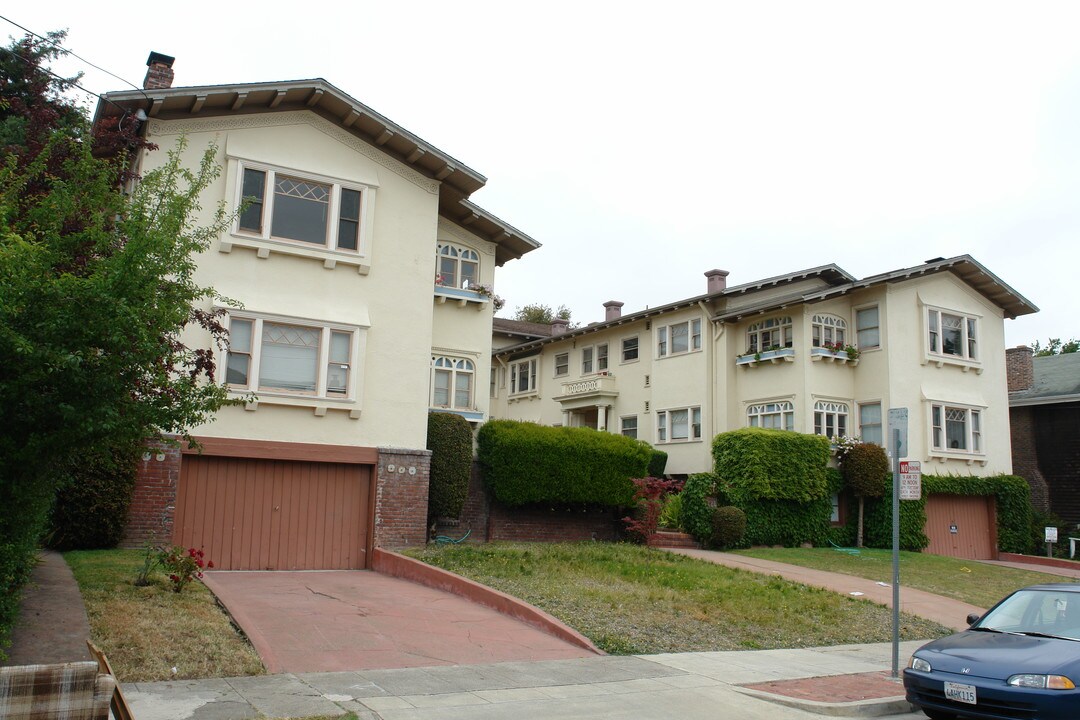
{"points": [[952, 334], [678, 425], [301, 208], [459, 267], [678, 338], [523, 376], [956, 428], [828, 331], [773, 415], [280, 355], [452, 382], [830, 419], [868, 327], [594, 359], [630, 349], [628, 426], [769, 334], [870, 423], [562, 364]]}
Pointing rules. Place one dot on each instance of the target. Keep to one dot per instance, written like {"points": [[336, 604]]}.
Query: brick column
{"points": [[1025, 456], [153, 502], [401, 497]]}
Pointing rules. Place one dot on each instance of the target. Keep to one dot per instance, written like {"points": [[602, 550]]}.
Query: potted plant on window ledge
{"points": [[773, 354], [836, 352]]}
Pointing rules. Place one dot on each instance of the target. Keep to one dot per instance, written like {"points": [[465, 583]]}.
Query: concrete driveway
{"points": [[336, 620]]}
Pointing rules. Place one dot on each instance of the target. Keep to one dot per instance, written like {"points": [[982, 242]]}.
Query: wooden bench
{"points": [[120, 709], [61, 691]]}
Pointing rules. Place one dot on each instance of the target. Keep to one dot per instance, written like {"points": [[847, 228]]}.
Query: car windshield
{"points": [[1038, 612]]}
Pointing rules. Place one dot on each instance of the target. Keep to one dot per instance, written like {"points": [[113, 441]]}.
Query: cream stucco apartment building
{"points": [[816, 351], [364, 276]]}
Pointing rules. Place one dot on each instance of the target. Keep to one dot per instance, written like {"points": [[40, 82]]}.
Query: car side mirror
{"points": [[973, 618]]}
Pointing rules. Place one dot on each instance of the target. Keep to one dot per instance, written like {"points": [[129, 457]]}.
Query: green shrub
{"points": [[91, 507], [449, 438], [671, 513], [527, 463], [728, 526], [787, 522], [696, 512], [1042, 520], [759, 464], [657, 463], [865, 468]]}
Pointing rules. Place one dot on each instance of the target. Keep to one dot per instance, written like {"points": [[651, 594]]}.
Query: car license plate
{"points": [[960, 693]]}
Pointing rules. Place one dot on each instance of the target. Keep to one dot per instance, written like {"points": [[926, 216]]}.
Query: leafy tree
{"points": [[865, 468], [96, 290], [540, 313], [1055, 346]]}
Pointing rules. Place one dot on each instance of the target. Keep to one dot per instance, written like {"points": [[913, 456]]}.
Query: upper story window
{"points": [[773, 415], [952, 334], [870, 423], [768, 334], [678, 338], [452, 383], [956, 428], [291, 358], [594, 359], [459, 267], [830, 419], [523, 376], [868, 328], [680, 425], [828, 331], [630, 349], [302, 209], [562, 364]]}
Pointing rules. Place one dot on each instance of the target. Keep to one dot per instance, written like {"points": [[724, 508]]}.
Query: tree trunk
{"points": [[858, 539]]}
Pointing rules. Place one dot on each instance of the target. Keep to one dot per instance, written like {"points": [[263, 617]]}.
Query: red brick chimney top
{"points": [[159, 73]]}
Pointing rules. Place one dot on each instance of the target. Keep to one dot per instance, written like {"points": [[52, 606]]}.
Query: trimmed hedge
{"points": [[759, 464], [90, 511], [696, 517], [657, 463], [527, 463], [787, 522], [449, 438]]}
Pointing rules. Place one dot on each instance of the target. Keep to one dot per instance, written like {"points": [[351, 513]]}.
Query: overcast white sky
{"points": [[645, 143]]}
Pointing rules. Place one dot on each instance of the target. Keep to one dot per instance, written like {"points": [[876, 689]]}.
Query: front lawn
{"points": [[147, 632], [967, 580], [633, 600]]}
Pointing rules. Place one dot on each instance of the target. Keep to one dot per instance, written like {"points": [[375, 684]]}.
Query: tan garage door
{"points": [[249, 514], [962, 526]]}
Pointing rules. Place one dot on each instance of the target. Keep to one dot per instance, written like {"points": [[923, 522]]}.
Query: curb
{"points": [[399, 566], [874, 707]]}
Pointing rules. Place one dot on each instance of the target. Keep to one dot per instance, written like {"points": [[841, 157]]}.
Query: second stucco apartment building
{"points": [[816, 351]]}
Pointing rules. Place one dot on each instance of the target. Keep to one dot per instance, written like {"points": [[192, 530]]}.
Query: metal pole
{"points": [[896, 556]]}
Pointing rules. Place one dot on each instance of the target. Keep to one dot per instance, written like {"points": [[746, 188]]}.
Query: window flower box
{"points": [[827, 354], [772, 356]]}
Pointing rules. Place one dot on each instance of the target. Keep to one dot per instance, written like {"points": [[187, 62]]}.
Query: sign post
{"points": [[1051, 538], [898, 438]]}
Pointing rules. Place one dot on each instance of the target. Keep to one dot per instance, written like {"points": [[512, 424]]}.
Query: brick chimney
{"points": [[559, 326], [1018, 368], [612, 310], [717, 280], [159, 73]]}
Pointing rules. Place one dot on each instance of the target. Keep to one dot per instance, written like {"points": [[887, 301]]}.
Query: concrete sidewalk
{"points": [[683, 686], [945, 611]]}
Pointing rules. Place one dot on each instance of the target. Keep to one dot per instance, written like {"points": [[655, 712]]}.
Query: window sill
{"points": [[771, 356], [964, 365], [818, 354], [531, 395], [680, 442], [319, 405], [969, 458], [460, 296], [329, 258]]}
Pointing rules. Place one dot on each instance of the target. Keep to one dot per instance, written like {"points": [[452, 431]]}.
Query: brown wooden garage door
{"points": [[962, 526], [252, 514]]}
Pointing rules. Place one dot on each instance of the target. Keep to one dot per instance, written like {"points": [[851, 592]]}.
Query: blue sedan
{"points": [[1019, 660]]}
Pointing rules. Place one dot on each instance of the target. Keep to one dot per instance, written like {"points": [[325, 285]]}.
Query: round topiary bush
{"points": [[728, 526], [865, 467]]}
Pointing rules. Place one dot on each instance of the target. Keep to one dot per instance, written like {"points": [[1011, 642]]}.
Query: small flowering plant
{"points": [[183, 566]]}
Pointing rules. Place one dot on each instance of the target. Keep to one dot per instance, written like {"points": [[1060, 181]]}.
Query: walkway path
{"points": [[945, 611], [52, 625]]}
